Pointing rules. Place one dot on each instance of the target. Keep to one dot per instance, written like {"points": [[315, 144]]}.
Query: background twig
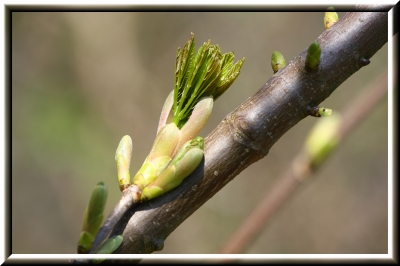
{"points": [[353, 114]]}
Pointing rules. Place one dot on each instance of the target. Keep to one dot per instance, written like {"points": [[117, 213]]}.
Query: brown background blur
{"points": [[81, 81]]}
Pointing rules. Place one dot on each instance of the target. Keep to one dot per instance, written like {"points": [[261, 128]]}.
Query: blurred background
{"points": [[82, 80]]}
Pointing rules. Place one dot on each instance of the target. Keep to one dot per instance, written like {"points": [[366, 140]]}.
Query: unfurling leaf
{"points": [[208, 73]]}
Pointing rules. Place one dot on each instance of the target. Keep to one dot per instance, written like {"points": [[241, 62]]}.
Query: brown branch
{"points": [[353, 114], [246, 135], [361, 105]]}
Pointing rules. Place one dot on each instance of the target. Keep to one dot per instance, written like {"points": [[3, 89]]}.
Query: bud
{"points": [[322, 139], [108, 247], [92, 218], [123, 160], [313, 56], [320, 111], [277, 61], [330, 18], [183, 164]]}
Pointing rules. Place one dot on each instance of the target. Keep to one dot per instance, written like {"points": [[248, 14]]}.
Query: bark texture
{"points": [[246, 134]]}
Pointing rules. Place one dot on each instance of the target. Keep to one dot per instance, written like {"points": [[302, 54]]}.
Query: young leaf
{"points": [[209, 73]]}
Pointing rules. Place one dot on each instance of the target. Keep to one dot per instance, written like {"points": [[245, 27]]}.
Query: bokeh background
{"points": [[82, 80]]}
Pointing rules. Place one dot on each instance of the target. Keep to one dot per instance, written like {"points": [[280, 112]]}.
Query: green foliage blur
{"points": [[81, 81]]}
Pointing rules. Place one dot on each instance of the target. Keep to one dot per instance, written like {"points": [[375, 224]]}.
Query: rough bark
{"points": [[246, 134]]}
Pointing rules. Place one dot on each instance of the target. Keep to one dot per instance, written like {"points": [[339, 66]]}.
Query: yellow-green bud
{"points": [[183, 164], [123, 160], [322, 139], [320, 111], [277, 61], [330, 18]]}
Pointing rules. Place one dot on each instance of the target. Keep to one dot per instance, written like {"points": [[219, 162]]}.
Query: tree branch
{"points": [[246, 134]]}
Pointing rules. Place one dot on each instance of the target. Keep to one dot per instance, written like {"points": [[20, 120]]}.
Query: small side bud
{"points": [[277, 61], [313, 56], [319, 111], [364, 61], [330, 18], [123, 159]]}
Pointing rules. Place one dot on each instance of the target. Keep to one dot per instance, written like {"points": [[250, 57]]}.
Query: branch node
{"points": [[238, 127], [153, 244]]}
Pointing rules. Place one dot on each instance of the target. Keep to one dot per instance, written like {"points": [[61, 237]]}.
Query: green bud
{"points": [[169, 141], [123, 160], [92, 218], [184, 163], [108, 247], [330, 18], [95, 209], [320, 111], [322, 139], [160, 155], [199, 80], [313, 56], [277, 61], [85, 243]]}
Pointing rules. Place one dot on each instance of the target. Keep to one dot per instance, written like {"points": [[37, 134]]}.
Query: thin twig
{"points": [[361, 106], [300, 169]]}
